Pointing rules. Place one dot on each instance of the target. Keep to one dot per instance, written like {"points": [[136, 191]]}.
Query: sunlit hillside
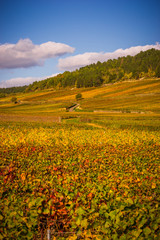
{"points": [[90, 162], [135, 96]]}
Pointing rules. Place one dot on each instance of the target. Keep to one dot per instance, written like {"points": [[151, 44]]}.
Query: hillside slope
{"points": [[142, 96], [144, 64]]}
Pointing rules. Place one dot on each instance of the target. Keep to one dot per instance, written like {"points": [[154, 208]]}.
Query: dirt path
{"points": [[95, 125]]}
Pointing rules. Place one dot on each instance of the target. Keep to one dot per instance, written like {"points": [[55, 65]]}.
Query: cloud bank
{"points": [[81, 60], [25, 54], [22, 81]]}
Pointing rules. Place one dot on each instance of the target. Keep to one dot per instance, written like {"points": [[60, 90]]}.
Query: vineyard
{"points": [[81, 180]]}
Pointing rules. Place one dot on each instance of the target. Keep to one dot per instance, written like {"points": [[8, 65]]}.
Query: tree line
{"points": [[11, 90], [143, 65]]}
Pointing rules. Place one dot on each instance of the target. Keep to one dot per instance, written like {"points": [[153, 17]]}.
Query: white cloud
{"points": [[25, 54], [15, 82], [81, 60]]}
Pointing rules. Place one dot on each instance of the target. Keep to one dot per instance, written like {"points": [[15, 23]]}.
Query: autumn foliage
{"points": [[97, 183]]}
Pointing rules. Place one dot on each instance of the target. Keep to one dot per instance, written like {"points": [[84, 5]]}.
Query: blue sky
{"points": [[43, 37]]}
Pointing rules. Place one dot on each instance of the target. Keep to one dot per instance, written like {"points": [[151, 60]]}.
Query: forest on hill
{"points": [[11, 90], [143, 65]]}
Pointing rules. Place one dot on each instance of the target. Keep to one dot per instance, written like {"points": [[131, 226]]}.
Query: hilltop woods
{"points": [[143, 65]]}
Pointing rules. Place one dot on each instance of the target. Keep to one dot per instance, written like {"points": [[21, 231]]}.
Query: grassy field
{"points": [[89, 174]]}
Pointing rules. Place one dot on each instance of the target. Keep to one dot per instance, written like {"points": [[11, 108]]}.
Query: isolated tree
{"points": [[78, 96], [14, 100]]}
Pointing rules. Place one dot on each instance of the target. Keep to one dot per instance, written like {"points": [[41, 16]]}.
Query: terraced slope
{"points": [[141, 96]]}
